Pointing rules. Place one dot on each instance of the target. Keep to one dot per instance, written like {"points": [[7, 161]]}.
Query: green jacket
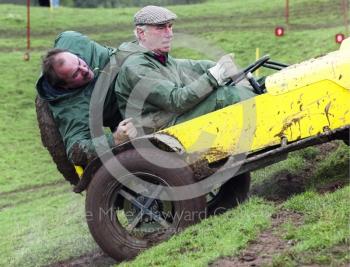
{"points": [[159, 95], [155, 94], [70, 108]]}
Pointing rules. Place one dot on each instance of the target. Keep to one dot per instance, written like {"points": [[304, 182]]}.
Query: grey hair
{"points": [[142, 27]]}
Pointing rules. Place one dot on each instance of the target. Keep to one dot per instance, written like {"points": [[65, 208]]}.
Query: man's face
{"points": [[157, 38], [74, 70]]}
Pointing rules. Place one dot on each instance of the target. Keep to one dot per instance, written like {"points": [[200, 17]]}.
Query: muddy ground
{"points": [[259, 251], [270, 242], [94, 259]]}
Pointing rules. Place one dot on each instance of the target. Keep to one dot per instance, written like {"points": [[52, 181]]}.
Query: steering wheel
{"points": [[257, 64], [247, 73]]}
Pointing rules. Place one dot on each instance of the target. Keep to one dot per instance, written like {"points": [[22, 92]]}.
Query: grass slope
{"points": [[324, 238], [41, 221], [202, 243]]}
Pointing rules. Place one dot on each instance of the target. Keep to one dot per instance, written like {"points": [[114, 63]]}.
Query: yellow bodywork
{"points": [[79, 170], [302, 100]]}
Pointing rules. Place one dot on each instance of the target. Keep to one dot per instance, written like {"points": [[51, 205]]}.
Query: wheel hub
{"points": [[155, 208]]}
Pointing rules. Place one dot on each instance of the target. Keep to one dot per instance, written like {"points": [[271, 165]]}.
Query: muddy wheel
{"points": [[229, 195], [52, 140], [124, 222]]}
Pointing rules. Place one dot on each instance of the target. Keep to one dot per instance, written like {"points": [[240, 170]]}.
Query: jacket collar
{"points": [[133, 47]]}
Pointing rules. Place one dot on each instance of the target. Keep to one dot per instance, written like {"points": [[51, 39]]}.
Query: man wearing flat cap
{"points": [[158, 90]]}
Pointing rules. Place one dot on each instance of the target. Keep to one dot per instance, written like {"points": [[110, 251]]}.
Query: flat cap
{"points": [[153, 15]]}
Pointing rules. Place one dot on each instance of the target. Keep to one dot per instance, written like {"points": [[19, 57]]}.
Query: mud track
{"points": [[268, 244], [94, 259], [33, 188]]}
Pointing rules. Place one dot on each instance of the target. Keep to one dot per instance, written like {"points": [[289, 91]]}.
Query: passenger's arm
{"points": [[73, 125], [76, 135]]}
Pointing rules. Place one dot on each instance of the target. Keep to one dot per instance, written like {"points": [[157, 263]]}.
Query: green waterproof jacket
{"points": [[70, 108], [159, 95]]}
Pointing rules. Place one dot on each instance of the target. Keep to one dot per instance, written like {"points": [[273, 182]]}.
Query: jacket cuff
{"points": [[212, 80]]}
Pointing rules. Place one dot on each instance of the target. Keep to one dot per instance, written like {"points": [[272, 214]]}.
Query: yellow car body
{"points": [[301, 101]]}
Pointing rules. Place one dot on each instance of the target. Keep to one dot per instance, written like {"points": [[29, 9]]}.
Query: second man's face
{"points": [[74, 70], [157, 38]]}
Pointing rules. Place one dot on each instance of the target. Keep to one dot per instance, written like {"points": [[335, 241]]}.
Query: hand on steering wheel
{"points": [[247, 73]]}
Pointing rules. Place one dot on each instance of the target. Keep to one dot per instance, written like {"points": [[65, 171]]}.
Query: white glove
{"points": [[125, 131], [224, 69]]}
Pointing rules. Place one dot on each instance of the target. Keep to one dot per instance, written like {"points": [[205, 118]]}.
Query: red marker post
{"points": [[286, 12], [26, 56], [279, 31], [339, 38]]}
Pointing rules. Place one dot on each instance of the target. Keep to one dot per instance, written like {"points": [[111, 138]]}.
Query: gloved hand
{"points": [[224, 69], [125, 131]]}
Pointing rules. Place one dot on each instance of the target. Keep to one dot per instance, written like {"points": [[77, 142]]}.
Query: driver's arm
{"points": [[148, 81], [199, 66]]}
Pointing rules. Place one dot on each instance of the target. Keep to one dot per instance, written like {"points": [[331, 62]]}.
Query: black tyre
{"points": [[52, 140], [122, 222], [229, 195]]}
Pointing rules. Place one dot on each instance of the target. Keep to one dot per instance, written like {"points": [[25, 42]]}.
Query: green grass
{"points": [[24, 159], [45, 226], [332, 168], [42, 221], [294, 163], [203, 243], [327, 166], [324, 238]]}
